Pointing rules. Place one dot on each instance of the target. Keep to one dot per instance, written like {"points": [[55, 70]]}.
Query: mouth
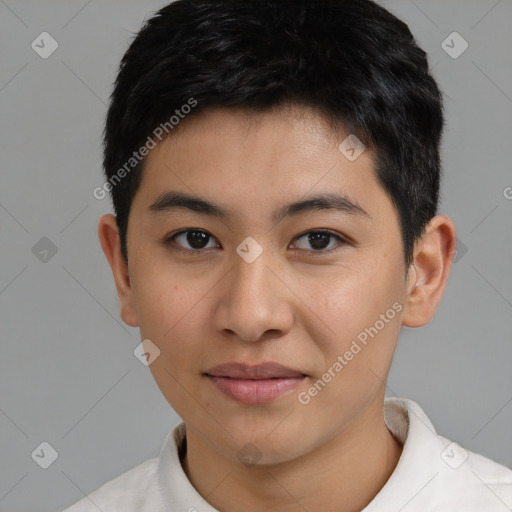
{"points": [[255, 385]]}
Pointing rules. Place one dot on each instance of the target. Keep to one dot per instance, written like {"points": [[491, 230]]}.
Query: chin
{"points": [[265, 446]]}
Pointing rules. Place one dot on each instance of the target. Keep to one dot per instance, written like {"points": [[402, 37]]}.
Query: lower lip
{"points": [[255, 392]]}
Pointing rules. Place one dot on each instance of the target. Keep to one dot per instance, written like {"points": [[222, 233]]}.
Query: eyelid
{"points": [[325, 231], [343, 240], [168, 240]]}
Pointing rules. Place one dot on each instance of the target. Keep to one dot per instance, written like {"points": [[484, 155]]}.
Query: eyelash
{"points": [[170, 240]]}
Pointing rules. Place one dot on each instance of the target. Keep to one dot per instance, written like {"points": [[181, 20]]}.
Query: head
{"points": [[247, 107]]}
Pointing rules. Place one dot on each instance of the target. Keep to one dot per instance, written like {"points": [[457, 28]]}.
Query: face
{"points": [[319, 290]]}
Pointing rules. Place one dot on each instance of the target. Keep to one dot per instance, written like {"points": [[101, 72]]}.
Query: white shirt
{"points": [[432, 475]]}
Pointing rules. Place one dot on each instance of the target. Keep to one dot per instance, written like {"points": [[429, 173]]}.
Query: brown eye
{"points": [[191, 240], [319, 240]]}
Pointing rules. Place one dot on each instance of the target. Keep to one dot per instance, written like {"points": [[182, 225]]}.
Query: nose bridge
{"points": [[252, 301], [251, 258], [250, 281]]}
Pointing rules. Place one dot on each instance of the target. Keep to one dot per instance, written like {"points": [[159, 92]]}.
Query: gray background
{"points": [[68, 373]]}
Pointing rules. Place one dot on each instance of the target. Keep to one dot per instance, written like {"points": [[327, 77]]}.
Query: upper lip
{"points": [[257, 372]]}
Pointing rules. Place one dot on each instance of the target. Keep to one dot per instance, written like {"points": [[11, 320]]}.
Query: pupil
{"points": [[196, 239], [314, 238]]}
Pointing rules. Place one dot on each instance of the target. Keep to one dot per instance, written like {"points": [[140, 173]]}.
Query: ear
{"points": [[428, 274], [110, 240]]}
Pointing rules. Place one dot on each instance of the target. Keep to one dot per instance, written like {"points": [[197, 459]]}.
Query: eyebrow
{"points": [[171, 201]]}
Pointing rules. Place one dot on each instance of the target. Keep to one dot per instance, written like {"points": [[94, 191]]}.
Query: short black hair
{"points": [[351, 61]]}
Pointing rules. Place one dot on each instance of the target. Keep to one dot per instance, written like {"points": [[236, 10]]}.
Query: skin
{"points": [[294, 304]]}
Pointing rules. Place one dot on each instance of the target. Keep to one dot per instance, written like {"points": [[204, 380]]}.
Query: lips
{"points": [[258, 372], [254, 385]]}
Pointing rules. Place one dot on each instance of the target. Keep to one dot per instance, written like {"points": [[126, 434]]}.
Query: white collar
{"points": [[417, 468]]}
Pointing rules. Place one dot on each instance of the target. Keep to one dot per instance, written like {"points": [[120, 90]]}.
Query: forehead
{"points": [[252, 160]]}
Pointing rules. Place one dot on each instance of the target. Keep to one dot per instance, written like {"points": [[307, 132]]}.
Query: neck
{"points": [[348, 470]]}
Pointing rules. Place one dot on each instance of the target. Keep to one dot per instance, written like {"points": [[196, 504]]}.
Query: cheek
{"points": [[169, 316], [359, 309], [357, 354], [162, 300], [168, 312]]}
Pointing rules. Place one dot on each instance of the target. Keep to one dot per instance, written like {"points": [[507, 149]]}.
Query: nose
{"points": [[255, 302]]}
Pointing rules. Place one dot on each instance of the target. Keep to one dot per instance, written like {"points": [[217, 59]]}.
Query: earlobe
{"points": [[429, 271], [108, 233]]}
